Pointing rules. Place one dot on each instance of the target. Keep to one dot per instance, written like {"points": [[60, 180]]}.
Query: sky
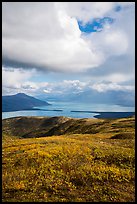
{"points": [[54, 48]]}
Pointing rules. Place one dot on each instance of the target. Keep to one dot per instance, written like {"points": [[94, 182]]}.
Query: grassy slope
{"points": [[72, 167], [47, 126]]}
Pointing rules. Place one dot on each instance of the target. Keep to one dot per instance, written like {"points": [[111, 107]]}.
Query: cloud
{"points": [[47, 91], [47, 35], [74, 85], [104, 87], [51, 40], [84, 91], [43, 39], [85, 11], [14, 79]]}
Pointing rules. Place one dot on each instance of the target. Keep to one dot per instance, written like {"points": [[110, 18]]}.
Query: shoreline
{"points": [[109, 114], [112, 115], [32, 109]]}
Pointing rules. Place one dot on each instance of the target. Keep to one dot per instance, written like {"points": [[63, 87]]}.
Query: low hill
{"points": [[27, 127], [20, 101]]}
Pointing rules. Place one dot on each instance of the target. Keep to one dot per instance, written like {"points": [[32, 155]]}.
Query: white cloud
{"points": [[46, 34], [103, 87], [112, 40], [15, 80], [86, 11], [47, 91], [14, 77], [52, 40], [18, 80], [73, 83], [119, 78]]}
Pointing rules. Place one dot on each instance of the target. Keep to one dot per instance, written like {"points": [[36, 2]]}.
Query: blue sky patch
{"points": [[118, 8], [96, 25]]}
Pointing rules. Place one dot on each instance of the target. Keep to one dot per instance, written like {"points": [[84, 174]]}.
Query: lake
{"points": [[64, 109]]}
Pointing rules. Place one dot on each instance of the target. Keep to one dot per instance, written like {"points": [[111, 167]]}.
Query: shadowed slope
{"points": [[48, 126]]}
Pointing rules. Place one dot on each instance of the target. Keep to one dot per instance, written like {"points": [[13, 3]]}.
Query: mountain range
{"points": [[20, 101], [117, 97]]}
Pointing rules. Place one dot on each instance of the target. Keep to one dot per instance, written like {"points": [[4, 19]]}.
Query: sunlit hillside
{"points": [[96, 166]]}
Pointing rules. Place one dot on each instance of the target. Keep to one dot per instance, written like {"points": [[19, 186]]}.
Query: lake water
{"points": [[67, 107]]}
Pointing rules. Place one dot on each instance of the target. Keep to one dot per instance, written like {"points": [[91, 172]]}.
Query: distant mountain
{"points": [[20, 101], [117, 97]]}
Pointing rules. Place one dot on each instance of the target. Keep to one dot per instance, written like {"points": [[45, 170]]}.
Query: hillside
{"points": [[68, 160], [47, 126], [20, 101]]}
